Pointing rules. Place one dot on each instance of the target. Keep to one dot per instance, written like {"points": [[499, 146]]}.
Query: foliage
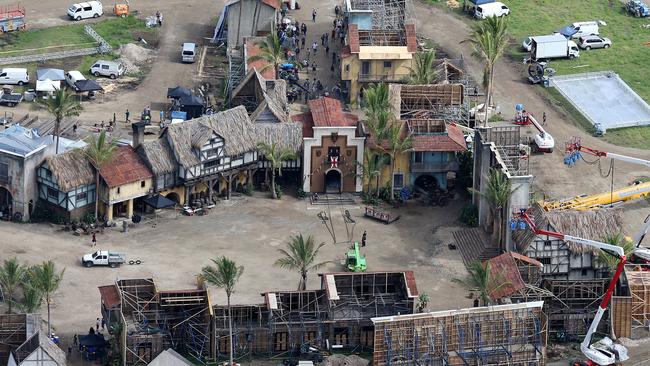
{"points": [[300, 255], [301, 193], [61, 106], [270, 51], [248, 190], [469, 215], [497, 192], [46, 280], [386, 193], [99, 152], [397, 144], [423, 72], [479, 280], [465, 178], [369, 199], [371, 168], [423, 302], [12, 275], [607, 260], [376, 102], [275, 156], [278, 191], [32, 298]]}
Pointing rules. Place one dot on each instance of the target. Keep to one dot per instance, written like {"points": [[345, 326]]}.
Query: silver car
{"points": [[112, 69], [593, 41]]}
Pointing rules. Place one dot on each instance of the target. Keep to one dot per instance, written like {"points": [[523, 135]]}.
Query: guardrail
{"points": [[382, 77], [434, 167]]}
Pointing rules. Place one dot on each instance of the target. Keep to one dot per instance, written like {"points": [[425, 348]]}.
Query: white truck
{"points": [[553, 46], [103, 258]]}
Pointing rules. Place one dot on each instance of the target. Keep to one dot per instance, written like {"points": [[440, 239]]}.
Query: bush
{"points": [[385, 193], [248, 189], [464, 177], [89, 218], [469, 215], [369, 199], [278, 191], [301, 193]]}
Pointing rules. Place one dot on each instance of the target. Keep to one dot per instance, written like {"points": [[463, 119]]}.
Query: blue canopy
{"points": [[481, 2], [567, 31]]}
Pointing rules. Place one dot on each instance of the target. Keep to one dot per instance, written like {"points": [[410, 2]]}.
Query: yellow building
{"points": [[125, 178], [400, 176], [373, 55]]}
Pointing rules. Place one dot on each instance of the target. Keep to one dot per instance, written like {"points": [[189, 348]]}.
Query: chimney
{"points": [[270, 85], [138, 134]]}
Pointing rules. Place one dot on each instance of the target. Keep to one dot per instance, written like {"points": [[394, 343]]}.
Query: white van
{"points": [[580, 29], [14, 76], [189, 52], [71, 78], [90, 9], [495, 9], [112, 69]]}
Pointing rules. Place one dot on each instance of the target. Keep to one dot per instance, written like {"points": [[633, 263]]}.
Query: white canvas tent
{"points": [[47, 86]]}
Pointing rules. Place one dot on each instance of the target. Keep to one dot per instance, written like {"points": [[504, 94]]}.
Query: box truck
{"points": [[553, 46]]}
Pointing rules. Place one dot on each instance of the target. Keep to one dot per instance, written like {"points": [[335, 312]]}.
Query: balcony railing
{"points": [[382, 77], [434, 167]]}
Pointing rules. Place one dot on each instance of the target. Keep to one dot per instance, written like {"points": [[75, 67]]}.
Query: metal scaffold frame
{"points": [[236, 70]]}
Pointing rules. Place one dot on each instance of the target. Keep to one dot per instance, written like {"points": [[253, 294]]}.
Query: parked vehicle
{"points": [[495, 9], [16, 76], [637, 8], [188, 53], [553, 46], [121, 9], [12, 17], [71, 78], [8, 97], [103, 258], [527, 44], [579, 29], [90, 9], [589, 42], [112, 69]]}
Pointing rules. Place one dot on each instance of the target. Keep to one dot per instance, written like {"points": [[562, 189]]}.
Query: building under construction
{"points": [[512, 334], [149, 321], [336, 316]]}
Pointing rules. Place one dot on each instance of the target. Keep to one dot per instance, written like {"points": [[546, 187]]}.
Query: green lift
{"points": [[355, 261]]}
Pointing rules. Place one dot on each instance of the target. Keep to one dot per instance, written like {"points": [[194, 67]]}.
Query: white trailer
{"points": [[553, 46]]}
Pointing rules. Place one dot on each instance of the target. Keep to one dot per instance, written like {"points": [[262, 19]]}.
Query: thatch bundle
{"points": [[285, 135], [71, 170], [158, 155]]}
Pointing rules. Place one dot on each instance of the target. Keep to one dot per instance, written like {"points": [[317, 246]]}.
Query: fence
{"points": [[102, 47]]}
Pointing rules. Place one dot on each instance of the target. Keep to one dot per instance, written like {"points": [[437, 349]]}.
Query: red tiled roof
{"points": [[411, 39], [110, 296], [345, 52], [275, 4], [353, 37], [328, 112], [505, 278], [125, 167], [523, 258], [307, 123], [410, 283], [452, 141], [253, 50]]}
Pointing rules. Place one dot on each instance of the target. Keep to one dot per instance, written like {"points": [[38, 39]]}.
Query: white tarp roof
{"points": [[47, 85]]}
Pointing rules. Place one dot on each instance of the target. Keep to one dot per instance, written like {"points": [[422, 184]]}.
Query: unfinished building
{"points": [[447, 102], [512, 334], [631, 302], [153, 321], [23, 343], [336, 316]]}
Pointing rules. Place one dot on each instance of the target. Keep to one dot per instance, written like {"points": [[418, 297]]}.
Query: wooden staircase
{"points": [[474, 245]]}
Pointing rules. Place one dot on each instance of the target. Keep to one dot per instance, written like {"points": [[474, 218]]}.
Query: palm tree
{"points": [[32, 298], [270, 51], [12, 275], [61, 105], [497, 192], [489, 40], [608, 260], [275, 156], [46, 280], [480, 280], [423, 73], [99, 152], [397, 144], [376, 101], [371, 168], [224, 274], [300, 255]]}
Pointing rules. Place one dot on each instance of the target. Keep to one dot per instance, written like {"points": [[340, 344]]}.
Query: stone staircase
{"points": [[332, 199]]}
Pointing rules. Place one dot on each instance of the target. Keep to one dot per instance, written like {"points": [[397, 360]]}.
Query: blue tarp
{"points": [[567, 31], [179, 115], [481, 2]]}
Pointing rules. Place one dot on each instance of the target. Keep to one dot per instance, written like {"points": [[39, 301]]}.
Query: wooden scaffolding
{"points": [[631, 303]]}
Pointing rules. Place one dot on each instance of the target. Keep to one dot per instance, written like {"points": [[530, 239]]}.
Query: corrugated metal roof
{"points": [[19, 140], [110, 296], [505, 278]]}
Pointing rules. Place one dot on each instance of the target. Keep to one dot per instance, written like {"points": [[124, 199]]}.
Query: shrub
{"points": [[301, 193], [469, 215], [278, 191]]}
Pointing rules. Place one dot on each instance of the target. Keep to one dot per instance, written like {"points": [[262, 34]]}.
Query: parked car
{"points": [[589, 42], [103, 258], [17, 76], [90, 9], [188, 54], [579, 29], [71, 78], [8, 97], [637, 8], [112, 69], [495, 9]]}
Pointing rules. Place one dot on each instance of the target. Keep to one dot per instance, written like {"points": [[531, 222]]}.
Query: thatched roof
{"points": [[267, 93], [287, 135], [71, 170], [594, 225], [158, 156]]}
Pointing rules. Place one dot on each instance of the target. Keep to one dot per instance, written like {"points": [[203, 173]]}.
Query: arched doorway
{"points": [[333, 181], [6, 201], [174, 197], [426, 182]]}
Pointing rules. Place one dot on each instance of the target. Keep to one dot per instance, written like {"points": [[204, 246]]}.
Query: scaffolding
{"points": [[386, 14], [496, 335], [236, 70], [573, 305], [507, 148], [15, 330]]}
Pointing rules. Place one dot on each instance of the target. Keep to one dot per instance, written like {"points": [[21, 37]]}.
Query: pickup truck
{"points": [[103, 258], [9, 98]]}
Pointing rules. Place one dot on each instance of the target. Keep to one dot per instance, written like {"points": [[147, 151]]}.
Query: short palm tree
{"points": [[480, 280], [300, 256], [61, 105], [398, 144], [99, 151], [497, 192], [224, 274], [489, 40], [45, 279], [423, 72], [375, 101], [608, 260], [371, 168], [270, 51], [275, 156], [12, 276], [32, 298]]}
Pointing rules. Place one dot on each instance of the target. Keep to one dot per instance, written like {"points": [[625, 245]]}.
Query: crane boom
{"points": [[574, 146]]}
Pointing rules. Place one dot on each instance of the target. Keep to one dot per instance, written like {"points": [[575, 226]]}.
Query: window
{"points": [[118, 190], [547, 243], [281, 341], [210, 164], [48, 174], [142, 184], [398, 181], [341, 336], [4, 172], [545, 260], [388, 64], [583, 272], [88, 8], [211, 152], [417, 157], [81, 196], [53, 193]]}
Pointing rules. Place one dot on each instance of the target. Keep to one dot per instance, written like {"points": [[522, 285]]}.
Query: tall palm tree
{"points": [[489, 40], [371, 168], [608, 260], [12, 275], [497, 192], [224, 274], [61, 105], [423, 72], [270, 51], [46, 280], [480, 280], [397, 144], [99, 152], [275, 156], [300, 256], [375, 98], [32, 298]]}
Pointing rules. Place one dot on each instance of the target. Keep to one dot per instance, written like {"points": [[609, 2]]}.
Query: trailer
{"points": [[12, 17], [8, 97]]}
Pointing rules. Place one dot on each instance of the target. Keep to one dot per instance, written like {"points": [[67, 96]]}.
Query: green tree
{"points": [[224, 274], [608, 260], [376, 102], [270, 51], [275, 156], [489, 40], [423, 72], [498, 190], [396, 143], [480, 280], [61, 105], [300, 256], [371, 168], [45, 279], [12, 276], [99, 151], [32, 298]]}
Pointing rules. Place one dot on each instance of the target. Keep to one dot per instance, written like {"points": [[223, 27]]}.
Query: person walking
{"points": [[363, 238], [104, 321], [303, 28], [75, 340], [313, 67], [327, 49], [302, 42], [297, 53], [127, 114], [544, 119], [94, 240], [313, 16], [314, 47], [97, 324], [322, 39]]}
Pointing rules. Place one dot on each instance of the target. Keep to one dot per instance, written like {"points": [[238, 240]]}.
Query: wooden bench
{"points": [[379, 215]]}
